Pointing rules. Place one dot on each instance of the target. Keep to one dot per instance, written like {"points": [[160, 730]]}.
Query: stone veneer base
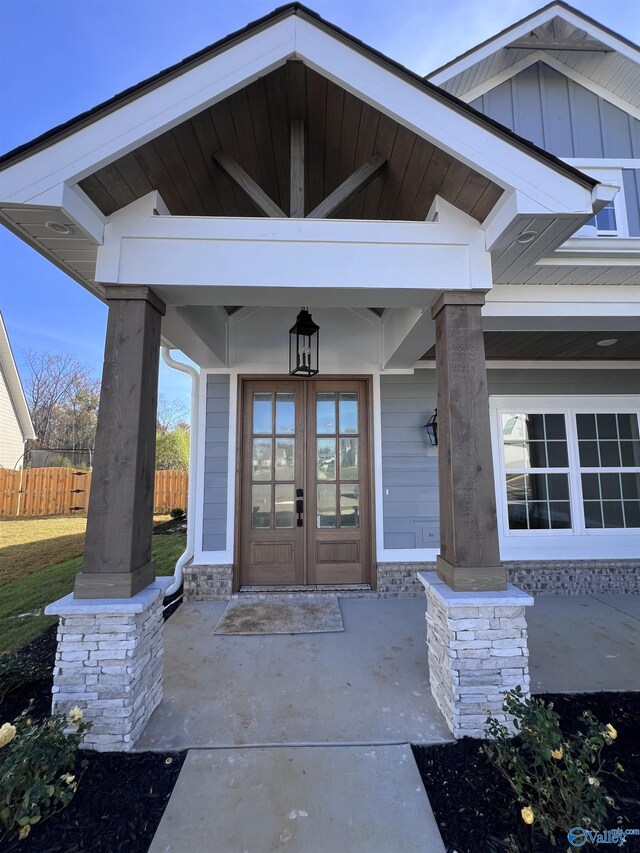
{"points": [[538, 577], [109, 663], [477, 649]]}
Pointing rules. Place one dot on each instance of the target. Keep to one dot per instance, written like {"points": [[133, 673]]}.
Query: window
{"points": [[604, 221], [611, 221], [569, 470]]}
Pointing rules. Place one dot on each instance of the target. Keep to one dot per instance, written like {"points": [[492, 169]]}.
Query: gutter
{"points": [[189, 551]]}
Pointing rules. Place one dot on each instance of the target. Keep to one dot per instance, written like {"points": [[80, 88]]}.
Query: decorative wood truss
{"points": [[292, 144]]}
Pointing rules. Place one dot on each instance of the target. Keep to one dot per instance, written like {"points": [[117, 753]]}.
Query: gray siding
{"points": [[568, 120], [410, 472], [409, 466], [631, 182], [561, 116], [577, 382], [216, 464]]}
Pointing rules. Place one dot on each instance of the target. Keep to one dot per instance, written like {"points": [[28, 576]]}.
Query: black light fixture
{"points": [[303, 346], [431, 427]]}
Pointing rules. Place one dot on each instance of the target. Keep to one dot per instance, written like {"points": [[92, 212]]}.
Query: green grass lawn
{"points": [[23, 600]]}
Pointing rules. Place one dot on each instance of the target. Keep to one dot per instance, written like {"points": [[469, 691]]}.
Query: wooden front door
{"points": [[304, 482]]}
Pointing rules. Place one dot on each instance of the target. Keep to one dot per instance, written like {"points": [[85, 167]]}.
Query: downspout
{"points": [[189, 551]]}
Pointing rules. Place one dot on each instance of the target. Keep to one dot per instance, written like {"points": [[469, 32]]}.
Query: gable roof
{"points": [[132, 93], [14, 385], [564, 36]]}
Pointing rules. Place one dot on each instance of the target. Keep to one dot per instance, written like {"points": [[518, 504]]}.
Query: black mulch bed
{"points": [[120, 799], [473, 804]]}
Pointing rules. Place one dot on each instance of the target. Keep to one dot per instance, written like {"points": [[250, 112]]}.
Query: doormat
{"points": [[313, 614]]}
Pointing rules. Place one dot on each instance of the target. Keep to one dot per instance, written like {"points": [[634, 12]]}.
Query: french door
{"points": [[304, 482]]}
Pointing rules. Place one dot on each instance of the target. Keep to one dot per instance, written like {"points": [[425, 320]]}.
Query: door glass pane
{"points": [[348, 407], [285, 413], [285, 458], [261, 462], [326, 515], [284, 505], [348, 458], [326, 413], [326, 459], [260, 507], [262, 414], [349, 505]]}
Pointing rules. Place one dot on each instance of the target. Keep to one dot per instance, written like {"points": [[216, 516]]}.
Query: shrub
{"points": [[19, 669], [177, 512], [557, 779], [38, 773]]}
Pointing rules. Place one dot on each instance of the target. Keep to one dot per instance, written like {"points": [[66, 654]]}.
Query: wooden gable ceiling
{"points": [[253, 126]]}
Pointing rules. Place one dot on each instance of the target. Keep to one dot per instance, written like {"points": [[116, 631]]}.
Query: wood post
{"points": [[469, 551], [117, 557]]}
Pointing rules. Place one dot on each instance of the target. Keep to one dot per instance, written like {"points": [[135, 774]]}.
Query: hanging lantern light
{"points": [[303, 346], [431, 427]]}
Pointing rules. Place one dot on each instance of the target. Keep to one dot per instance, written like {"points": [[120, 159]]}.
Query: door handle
{"points": [[299, 506]]}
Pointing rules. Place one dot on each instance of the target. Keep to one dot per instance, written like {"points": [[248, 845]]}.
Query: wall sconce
{"points": [[431, 427]]}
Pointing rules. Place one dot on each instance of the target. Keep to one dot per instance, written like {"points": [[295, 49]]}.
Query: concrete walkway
{"points": [[300, 800], [252, 707]]}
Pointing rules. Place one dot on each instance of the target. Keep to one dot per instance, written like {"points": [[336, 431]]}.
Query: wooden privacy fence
{"points": [[65, 491]]}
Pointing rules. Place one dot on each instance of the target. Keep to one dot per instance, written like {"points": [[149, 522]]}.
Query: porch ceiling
{"points": [[253, 126], [558, 345]]}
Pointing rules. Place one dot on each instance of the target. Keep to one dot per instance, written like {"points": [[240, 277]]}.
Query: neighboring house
{"points": [[15, 420], [291, 166]]}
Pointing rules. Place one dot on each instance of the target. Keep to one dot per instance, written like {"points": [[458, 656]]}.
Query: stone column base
{"points": [[477, 648], [109, 663]]}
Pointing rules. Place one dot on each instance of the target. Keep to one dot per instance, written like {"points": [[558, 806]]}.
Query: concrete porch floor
{"points": [[368, 684]]}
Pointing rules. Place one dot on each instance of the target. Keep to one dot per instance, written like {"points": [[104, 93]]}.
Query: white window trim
{"points": [[602, 171], [579, 542]]}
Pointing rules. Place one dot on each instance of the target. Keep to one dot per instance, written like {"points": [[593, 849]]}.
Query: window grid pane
{"points": [[537, 480], [611, 498], [534, 441]]}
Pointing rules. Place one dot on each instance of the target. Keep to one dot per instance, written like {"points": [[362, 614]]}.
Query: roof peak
{"points": [[544, 11]]}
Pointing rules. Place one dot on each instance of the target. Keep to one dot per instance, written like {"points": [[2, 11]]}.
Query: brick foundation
{"points": [[109, 664], [207, 583], [538, 577]]}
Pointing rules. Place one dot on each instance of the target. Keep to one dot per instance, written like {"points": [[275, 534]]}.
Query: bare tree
{"points": [[63, 395], [171, 413]]}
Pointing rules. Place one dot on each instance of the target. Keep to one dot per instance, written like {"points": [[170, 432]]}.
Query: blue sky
{"points": [[61, 57]]}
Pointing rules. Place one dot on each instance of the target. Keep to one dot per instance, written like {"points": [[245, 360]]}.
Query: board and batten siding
{"points": [[216, 463], [569, 121], [11, 437], [410, 465]]}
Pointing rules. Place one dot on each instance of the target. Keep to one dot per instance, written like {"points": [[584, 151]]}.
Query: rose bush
{"points": [[557, 779], [36, 764]]}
